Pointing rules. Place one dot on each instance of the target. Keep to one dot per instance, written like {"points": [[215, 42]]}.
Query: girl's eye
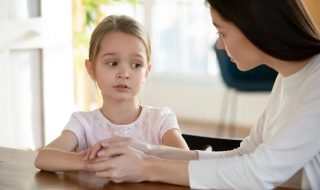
{"points": [[112, 63], [136, 65]]}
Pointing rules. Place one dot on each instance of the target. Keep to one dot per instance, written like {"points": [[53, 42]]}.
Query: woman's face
{"points": [[240, 50]]}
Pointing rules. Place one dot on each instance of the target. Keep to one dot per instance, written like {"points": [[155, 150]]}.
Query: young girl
{"points": [[283, 149], [119, 62]]}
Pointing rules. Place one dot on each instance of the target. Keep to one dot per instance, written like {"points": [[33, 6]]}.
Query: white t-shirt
{"points": [[151, 125], [284, 146]]}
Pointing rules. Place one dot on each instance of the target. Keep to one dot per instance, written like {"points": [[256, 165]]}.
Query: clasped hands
{"points": [[119, 159]]}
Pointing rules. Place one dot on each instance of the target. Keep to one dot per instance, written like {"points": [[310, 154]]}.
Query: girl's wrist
{"points": [[81, 163]]}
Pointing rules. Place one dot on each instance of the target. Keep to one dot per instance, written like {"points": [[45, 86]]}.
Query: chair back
{"points": [[217, 144]]}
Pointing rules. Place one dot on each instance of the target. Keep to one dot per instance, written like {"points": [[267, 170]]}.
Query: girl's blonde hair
{"points": [[118, 23]]}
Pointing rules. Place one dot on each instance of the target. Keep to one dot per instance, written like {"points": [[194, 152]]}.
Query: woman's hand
{"points": [[121, 164], [127, 164], [100, 147]]}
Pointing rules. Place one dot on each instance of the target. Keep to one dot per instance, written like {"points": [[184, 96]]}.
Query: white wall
{"points": [[36, 76]]}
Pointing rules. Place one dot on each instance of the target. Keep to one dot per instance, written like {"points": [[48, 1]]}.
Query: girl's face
{"points": [[240, 50], [121, 66]]}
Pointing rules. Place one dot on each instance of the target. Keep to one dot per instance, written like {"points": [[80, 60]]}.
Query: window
{"points": [[181, 32], [181, 37]]}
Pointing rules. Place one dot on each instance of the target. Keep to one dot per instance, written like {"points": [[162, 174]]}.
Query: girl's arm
{"points": [[173, 138], [59, 155]]}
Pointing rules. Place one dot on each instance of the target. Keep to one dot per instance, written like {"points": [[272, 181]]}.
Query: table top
{"points": [[17, 171]]}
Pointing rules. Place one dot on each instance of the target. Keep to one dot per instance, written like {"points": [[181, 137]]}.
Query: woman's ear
{"points": [[90, 69]]}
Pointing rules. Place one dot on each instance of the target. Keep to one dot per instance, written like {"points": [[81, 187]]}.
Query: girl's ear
{"points": [[90, 68], [149, 66]]}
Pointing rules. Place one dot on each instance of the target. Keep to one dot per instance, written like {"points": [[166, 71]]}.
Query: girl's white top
{"points": [[151, 125]]}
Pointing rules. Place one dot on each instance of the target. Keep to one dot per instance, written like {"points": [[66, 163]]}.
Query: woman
{"points": [[283, 148]]}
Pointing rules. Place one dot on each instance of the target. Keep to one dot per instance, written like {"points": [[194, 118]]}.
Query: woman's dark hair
{"points": [[280, 28]]}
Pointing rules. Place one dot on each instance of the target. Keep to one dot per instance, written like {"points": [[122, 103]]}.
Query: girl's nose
{"points": [[123, 75]]}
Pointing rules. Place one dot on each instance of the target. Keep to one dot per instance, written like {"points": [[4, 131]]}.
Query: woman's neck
{"points": [[287, 68], [121, 113]]}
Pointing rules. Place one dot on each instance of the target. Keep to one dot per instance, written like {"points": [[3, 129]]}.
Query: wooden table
{"points": [[18, 172]]}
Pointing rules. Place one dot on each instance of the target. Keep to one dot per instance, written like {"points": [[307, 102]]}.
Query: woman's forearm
{"points": [[51, 159], [167, 171], [171, 152]]}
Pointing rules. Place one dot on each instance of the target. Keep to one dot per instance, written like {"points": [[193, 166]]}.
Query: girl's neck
{"points": [[121, 113]]}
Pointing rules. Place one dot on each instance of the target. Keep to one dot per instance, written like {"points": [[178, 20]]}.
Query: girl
{"points": [[119, 62], [283, 149]]}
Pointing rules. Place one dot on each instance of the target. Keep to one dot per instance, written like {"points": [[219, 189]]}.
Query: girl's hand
{"points": [[91, 153]]}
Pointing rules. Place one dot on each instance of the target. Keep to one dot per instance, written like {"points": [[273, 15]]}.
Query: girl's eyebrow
{"points": [[108, 53], [138, 55]]}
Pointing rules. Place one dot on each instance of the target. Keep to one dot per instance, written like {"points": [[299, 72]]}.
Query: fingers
{"points": [[110, 154], [111, 175], [124, 141], [112, 170], [99, 166], [94, 150], [126, 165], [114, 151], [115, 140], [86, 154], [83, 153], [101, 148], [91, 153]]}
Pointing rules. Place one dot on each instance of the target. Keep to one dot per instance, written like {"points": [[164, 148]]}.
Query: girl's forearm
{"points": [[167, 171], [51, 159]]}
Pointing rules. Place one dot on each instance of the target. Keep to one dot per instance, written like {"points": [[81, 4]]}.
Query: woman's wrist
{"points": [[154, 169], [164, 170], [150, 168]]}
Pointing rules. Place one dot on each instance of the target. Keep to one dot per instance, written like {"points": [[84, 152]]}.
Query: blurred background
{"points": [[43, 45]]}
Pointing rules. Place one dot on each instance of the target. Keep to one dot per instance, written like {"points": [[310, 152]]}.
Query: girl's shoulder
{"points": [[84, 116], [157, 114], [157, 110]]}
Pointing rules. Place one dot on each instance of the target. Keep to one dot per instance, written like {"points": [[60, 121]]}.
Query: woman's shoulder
{"points": [[312, 72], [315, 63]]}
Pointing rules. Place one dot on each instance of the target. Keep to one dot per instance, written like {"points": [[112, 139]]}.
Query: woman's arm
{"points": [[58, 155], [167, 152]]}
